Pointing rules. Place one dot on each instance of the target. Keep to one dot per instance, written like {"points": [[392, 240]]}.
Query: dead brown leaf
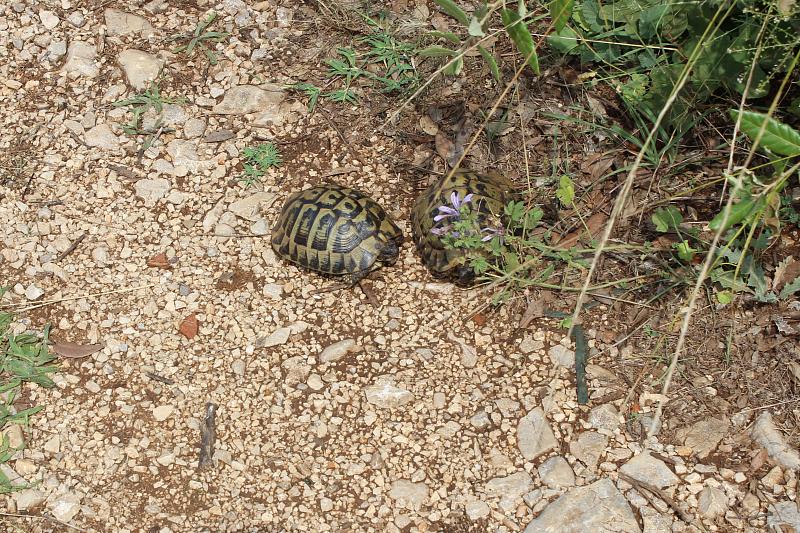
{"points": [[159, 261], [189, 326], [427, 125], [71, 350], [787, 271], [758, 460], [479, 319], [594, 224], [596, 165], [535, 308], [444, 146]]}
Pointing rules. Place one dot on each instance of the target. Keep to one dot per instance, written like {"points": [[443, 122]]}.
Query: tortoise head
{"points": [[464, 275], [389, 252]]}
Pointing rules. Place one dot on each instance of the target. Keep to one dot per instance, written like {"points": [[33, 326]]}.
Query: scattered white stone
{"points": [[65, 507], [562, 356], [13, 435], [140, 67], [768, 437], [784, 516], [260, 227], [244, 99], [644, 467], [81, 60], [186, 159], [279, 336], [325, 504], [194, 128], [122, 23], [297, 369], [387, 396], [337, 350], [704, 436], [409, 495], [100, 255], [596, 508], [53, 444], [476, 509], [534, 435], [152, 190], [29, 499], [315, 382], [101, 136], [712, 502], [604, 417], [588, 448], [509, 488], [33, 292], [556, 473], [162, 412], [250, 208], [49, 19], [166, 459], [480, 420]]}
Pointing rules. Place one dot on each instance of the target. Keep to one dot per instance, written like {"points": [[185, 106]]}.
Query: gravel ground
{"points": [[333, 414]]}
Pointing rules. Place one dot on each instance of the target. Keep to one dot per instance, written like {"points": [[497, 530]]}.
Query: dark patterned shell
{"points": [[491, 193], [335, 230]]}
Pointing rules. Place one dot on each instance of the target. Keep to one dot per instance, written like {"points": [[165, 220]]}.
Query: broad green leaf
{"points": [[452, 9], [724, 297], [489, 58], [564, 40], [518, 31], [777, 137], [560, 12], [566, 190], [515, 210], [666, 218], [790, 288], [454, 69], [475, 28], [739, 213], [450, 36], [533, 217], [437, 51], [685, 250]]}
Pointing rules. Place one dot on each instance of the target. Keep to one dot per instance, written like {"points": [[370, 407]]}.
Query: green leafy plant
{"points": [[258, 160], [642, 47], [23, 358], [199, 39], [138, 105], [515, 24], [753, 219]]}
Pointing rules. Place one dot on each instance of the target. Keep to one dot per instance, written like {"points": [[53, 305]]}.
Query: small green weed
{"points": [[23, 358], [382, 62], [258, 160], [199, 39], [140, 104]]}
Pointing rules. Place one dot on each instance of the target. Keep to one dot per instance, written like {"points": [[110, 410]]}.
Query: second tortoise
{"points": [[487, 193]]}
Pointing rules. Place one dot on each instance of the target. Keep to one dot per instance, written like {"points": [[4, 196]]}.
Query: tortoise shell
{"points": [[491, 192], [337, 231]]}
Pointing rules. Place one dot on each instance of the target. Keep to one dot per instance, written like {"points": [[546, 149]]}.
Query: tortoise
{"points": [[337, 231], [488, 193]]}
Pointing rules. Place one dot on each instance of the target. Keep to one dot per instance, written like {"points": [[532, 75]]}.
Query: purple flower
{"points": [[445, 211], [491, 233]]}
